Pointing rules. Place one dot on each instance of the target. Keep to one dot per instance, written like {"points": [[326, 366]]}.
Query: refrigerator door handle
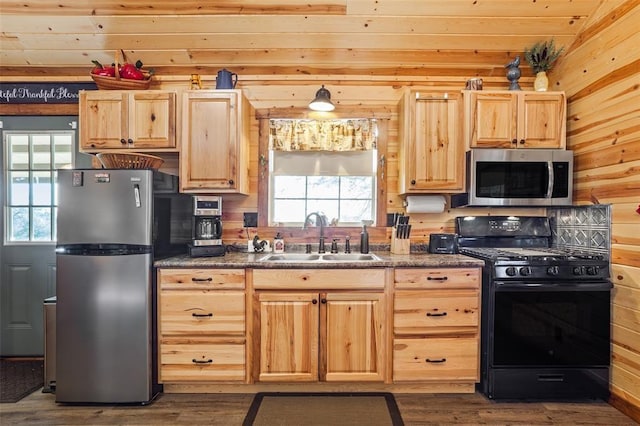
{"points": [[136, 194]]}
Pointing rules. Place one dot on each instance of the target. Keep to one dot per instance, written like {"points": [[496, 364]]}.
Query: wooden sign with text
{"points": [[42, 93]]}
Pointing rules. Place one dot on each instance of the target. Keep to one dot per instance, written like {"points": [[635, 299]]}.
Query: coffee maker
{"points": [[207, 227]]}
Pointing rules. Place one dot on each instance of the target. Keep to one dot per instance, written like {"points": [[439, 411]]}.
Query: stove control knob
{"points": [[511, 271], [578, 270], [593, 270], [553, 270], [525, 271]]}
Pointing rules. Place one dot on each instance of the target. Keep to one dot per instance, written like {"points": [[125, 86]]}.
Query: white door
{"points": [[32, 149]]}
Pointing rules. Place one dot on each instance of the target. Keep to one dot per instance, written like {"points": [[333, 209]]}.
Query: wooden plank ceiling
{"points": [[283, 37]]}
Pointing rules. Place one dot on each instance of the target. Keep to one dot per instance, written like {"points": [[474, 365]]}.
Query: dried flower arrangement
{"points": [[542, 55]]}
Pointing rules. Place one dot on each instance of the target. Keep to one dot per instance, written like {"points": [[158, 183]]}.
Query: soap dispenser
{"points": [[278, 244], [364, 240]]}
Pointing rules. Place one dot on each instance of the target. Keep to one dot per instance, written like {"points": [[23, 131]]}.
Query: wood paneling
{"points": [[319, 37], [367, 52], [601, 75]]}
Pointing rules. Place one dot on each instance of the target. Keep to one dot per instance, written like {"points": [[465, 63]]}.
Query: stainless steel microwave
{"points": [[517, 177]]}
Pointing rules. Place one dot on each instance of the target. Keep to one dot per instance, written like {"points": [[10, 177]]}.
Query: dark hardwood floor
{"points": [[229, 409]]}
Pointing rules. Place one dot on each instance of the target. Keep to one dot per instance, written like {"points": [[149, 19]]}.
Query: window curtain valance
{"points": [[322, 135]]}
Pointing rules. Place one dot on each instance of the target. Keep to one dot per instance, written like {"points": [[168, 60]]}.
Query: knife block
{"points": [[399, 245]]}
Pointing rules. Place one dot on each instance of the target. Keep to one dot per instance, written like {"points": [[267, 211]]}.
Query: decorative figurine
{"points": [[513, 73]]}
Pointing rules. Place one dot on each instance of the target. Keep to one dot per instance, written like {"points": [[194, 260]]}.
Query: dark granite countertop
{"points": [[387, 260]]}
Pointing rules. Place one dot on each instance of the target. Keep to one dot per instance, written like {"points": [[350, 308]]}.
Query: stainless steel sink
{"points": [[348, 257], [290, 257], [328, 257]]}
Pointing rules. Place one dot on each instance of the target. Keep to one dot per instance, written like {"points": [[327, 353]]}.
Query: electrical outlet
{"points": [[250, 220]]}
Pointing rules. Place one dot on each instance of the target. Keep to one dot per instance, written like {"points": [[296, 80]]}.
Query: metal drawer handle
{"points": [[440, 314], [202, 315], [195, 361], [436, 361], [437, 278], [196, 280]]}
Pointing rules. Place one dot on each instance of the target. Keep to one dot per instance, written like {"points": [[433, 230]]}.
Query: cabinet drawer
{"points": [[202, 362], [435, 311], [202, 312], [318, 279], [437, 278], [435, 359], [201, 278]]}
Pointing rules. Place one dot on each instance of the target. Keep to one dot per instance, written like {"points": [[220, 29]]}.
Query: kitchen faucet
{"points": [[321, 220]]}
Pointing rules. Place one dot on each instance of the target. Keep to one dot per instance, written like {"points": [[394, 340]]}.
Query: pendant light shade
{"points": [[322, 102]]}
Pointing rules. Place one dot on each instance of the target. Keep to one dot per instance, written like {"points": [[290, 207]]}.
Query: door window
{"points": [[31, 160]]}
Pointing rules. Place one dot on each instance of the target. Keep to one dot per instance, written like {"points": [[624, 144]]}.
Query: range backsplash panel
{"points": [[584, 228]]}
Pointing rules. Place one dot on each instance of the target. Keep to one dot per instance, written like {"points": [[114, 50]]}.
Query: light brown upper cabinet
{"points": [[215, 142], [515, 119], [140, 120], [431, 153]]}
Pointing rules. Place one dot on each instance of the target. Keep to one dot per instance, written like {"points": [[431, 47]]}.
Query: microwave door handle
{"points": [[550, 187]]}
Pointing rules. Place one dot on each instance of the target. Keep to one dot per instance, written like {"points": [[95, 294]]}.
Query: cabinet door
{"points": [[152, 119], [542, 120], [433, 151], [492, 120], [288, 333], [210, 142], [104, 122], [353, 337]]}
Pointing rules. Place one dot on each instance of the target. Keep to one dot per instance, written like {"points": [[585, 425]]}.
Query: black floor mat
{"points": [[19, 378]]}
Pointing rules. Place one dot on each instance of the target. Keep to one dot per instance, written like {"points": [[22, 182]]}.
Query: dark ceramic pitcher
{"points": [[226, 79]]}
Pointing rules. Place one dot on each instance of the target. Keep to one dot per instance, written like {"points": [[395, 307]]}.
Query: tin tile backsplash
{"points": [[583, 228]]}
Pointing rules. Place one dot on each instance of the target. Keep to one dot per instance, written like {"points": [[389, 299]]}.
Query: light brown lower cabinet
{"points": [[202, 325], [310, 336], [410, 328], [436, 324]]}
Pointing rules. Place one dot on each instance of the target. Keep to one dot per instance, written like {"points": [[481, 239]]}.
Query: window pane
{"points": [[54, 221], [289, 186], [55, 188], [18, 224], [356, 187], [41, 223], [41, 189], [63, 150], [41, 146], [18, 152], [355, 211], [323, 187], [288, 211], [19, 188], [328, 207]]}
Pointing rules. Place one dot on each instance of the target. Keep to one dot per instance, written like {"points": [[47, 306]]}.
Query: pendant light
{"points": [[322, 102]]}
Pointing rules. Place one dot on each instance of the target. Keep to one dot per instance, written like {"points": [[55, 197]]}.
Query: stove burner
{"points": [[529, 254]]}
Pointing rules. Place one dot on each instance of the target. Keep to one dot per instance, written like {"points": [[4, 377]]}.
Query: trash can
{"points": [[49, 345]]}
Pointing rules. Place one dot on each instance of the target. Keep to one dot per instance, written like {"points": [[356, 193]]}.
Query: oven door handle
{"points": [[554, 286]]}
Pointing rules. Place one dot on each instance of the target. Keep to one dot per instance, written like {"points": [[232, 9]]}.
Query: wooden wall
{"points": [[601, 76]]}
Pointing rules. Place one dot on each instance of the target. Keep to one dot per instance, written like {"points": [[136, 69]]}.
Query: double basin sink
{"points": [[319, 257]]}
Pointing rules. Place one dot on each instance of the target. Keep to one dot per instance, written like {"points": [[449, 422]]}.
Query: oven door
{"points": [[561, 324]]}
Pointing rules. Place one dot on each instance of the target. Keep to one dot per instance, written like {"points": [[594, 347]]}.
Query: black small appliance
{"points": [[207, 227], [443, 244]]}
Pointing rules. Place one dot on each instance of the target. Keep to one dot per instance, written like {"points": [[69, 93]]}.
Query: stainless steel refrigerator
{"points": [[111, 226]]}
